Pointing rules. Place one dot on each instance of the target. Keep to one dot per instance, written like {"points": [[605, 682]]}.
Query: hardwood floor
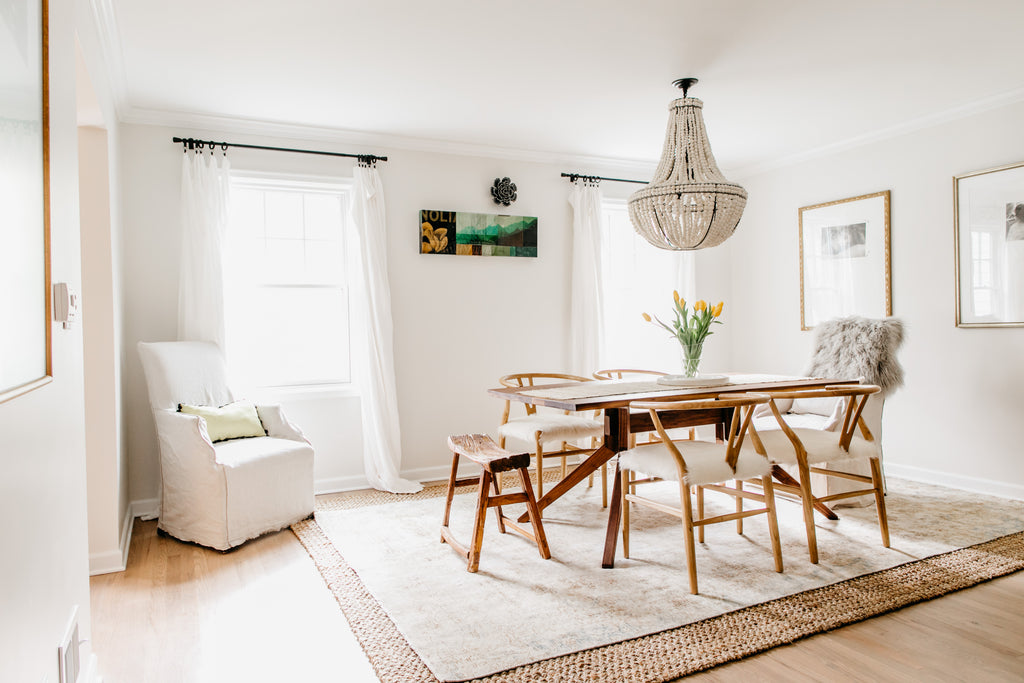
{"points": [[182, 613]]}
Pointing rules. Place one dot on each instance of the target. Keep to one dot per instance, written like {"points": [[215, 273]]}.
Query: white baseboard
{"points": [[956, 481], [147, 509], [115, 560], [339, 484]]}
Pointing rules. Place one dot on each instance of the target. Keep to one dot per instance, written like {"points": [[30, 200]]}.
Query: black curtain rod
{"points": [[193, 143], [578, 176]]}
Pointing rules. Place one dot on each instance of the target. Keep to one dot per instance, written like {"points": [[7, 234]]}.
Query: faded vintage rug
{"points": [[421, 617]]}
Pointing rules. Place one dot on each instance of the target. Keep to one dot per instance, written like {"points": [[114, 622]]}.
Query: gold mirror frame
{"points": [[991, 256], [854, 233], [17, 329]]}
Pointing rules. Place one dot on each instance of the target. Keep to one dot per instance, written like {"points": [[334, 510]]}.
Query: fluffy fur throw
{"points": [[859, 347]]}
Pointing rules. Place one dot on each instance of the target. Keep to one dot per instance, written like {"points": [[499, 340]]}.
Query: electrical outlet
{"points": [[67, 652]]}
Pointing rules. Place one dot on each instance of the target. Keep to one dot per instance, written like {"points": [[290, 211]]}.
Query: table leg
{"points": [[783, 477], [611, 538], [579, 473]]}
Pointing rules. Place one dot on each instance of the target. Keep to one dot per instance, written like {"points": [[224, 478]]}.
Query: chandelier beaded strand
{"points": [[688, 204]]}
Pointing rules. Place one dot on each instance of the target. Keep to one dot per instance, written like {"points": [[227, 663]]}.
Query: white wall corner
{"points": [[115, 560], [989, 487], [113, 53], [147, 509]]}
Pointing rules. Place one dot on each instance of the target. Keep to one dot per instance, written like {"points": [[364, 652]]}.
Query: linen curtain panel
{"points": [[205, 197], [587, 290], [373, 366]]}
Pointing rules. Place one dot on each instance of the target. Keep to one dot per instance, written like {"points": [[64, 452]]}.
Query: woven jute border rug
{"points": [[670, 654]]}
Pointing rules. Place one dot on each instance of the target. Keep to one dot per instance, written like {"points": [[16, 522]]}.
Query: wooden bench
{"points": [[493, 460]]}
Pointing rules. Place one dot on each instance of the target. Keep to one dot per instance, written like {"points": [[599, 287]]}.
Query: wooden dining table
{"points": [[613, 398]]}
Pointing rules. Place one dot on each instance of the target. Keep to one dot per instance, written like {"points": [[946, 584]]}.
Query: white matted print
{"points": [[989, 225], [844, 259]]}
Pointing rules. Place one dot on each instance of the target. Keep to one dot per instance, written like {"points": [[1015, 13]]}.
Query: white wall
{"points": [[956, 420], [460, 322], [44, 570], [99, 186]]}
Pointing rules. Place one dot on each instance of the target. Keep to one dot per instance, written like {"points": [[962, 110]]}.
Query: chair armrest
{"points": [[277, 425], [183, 438]]}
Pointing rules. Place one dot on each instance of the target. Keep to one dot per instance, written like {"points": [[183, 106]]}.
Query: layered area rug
{"points": [[421, 617]]}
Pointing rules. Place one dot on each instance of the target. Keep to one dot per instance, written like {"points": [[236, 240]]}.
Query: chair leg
{"points": [[625, 514], [499, 515], [768, 490], [700, 513], [807, 499], [604, 485], [879, 483], [531, 507], [451, 492], [691, 551], [478, 522], [739, 507], [539, 446]]}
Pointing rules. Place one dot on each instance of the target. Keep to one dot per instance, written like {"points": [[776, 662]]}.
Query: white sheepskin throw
{"points": [[859, 347]]}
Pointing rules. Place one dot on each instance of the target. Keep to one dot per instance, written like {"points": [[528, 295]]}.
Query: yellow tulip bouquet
{"points": [[690, 329]]}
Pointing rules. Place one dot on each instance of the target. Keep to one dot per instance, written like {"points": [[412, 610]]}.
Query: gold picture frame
{"points": [[988, 228], [844, 259], [25, 302]]}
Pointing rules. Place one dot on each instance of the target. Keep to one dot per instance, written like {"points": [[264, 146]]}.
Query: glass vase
{"points": [[691, 360]]}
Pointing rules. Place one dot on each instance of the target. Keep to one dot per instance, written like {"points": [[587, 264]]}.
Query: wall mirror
{"points": [[24, 200], [844, 259], [988, 215]]}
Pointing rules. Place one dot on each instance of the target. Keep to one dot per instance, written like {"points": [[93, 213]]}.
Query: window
{"points": [[636, 278], [286, 293]]}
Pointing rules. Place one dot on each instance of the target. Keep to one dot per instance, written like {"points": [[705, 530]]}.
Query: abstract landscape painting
{"points": [[477, 234]]}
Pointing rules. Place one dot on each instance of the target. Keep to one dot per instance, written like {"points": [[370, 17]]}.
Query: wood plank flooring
{"points": [[182, 613]]}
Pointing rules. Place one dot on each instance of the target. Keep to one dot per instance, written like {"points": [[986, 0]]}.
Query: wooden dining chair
{"points": [[541, 427], [810, 450], [704, 465]]}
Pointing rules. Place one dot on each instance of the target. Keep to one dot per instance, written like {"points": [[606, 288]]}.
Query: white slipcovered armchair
{"points": [[220, 494]]}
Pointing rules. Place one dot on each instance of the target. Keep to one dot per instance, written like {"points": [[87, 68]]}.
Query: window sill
{"points": [[309, 392]]}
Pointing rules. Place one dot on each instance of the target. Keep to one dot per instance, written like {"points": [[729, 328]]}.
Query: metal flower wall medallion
{"points": [[504, 191]]}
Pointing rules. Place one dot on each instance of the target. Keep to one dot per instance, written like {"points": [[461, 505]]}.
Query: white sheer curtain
{"points": [[205, 196], [587, 297], [636, 278], [373, 364]]}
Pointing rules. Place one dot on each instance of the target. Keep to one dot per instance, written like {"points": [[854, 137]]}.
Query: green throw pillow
{"points": [[234, 421]]}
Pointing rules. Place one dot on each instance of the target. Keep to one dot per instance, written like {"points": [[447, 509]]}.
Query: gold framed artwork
{"points": [[844, 259], [988, 225], [25, 303]]}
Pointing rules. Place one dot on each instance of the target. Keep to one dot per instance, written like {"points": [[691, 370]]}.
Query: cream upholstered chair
{"points": [[704, 465], [810, 449], [845, 348], [540, 427], [220, 493]]}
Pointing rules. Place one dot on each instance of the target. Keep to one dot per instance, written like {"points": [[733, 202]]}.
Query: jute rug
{"points": [[420, 616]]}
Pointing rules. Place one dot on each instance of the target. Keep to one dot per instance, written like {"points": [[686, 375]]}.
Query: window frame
{"points": [[269, 181]]}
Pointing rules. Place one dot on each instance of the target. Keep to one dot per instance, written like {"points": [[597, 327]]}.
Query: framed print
{"points": [[25, 362], [844, 259], [477, 234], [988, 224]]}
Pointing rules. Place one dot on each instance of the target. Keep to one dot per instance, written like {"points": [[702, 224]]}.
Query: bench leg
{"points": [[534, 512], [478, 523], [451, 491], [496, 485]]}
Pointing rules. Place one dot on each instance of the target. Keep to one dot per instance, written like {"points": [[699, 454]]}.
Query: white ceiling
{"points": [[580, 78]]}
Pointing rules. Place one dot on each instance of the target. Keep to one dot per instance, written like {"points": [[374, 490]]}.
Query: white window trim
{"points": [[267, 180]]}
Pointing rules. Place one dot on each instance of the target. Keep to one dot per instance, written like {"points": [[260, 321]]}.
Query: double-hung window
{"points": [[636, 278], [286, 289]]}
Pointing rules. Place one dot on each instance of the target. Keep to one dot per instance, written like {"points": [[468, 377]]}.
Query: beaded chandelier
{"points": [[689, 204]]}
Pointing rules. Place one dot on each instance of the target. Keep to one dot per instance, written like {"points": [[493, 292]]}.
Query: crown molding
{"points": [[930, 121], [370, 141], [113, 53]]}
